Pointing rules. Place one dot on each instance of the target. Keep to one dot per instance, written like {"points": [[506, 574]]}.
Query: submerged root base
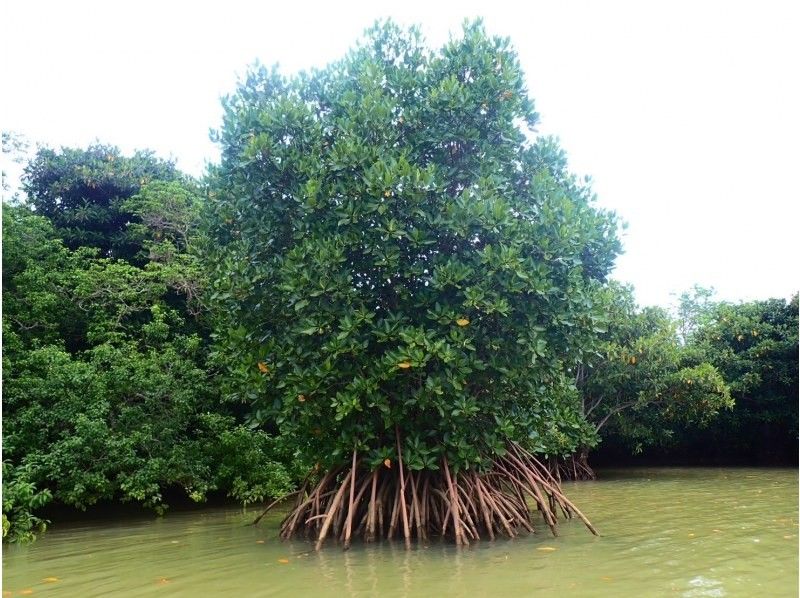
{"points": [[465, 506]]}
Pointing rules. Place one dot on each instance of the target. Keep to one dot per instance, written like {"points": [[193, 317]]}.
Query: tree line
{"points": [[387, 287], [110, 388]]}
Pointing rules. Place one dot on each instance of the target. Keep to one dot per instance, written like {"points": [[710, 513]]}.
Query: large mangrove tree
{"points": [[405, 281]]}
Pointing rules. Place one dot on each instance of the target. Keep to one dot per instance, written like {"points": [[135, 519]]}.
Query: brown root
{"points": [[575, 467], [462, 505]]}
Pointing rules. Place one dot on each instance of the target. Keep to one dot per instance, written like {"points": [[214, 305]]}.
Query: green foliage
{"points": [[168, 212], [693, 310], [253, 465], [645, 383], [115, 422], [389, 248], [83, 193], [755, 347], [107, 393], [20, 499], [36, 269]]}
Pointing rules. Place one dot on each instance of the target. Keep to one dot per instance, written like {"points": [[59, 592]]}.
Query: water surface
{"points": [[666, 532]]}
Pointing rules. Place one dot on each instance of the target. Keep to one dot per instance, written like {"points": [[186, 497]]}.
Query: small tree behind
{"points": [[755, 347], [83, 193], [108, 392], [645, 382]]}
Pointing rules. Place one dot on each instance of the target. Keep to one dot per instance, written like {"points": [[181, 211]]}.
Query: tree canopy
{"points": [[755, 347], [83, 193], [645, 383], [395, 249]]}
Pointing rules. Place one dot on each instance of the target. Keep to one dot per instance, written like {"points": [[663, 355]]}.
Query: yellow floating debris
{"points": [[546, 548], [259, 541], [51, 579], [283, 561]]}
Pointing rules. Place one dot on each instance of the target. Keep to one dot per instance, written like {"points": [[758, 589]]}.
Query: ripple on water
{"points": [[665, 532]]}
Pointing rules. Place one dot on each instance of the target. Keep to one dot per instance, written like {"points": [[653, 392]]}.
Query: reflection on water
{"points": [[666, 532]]}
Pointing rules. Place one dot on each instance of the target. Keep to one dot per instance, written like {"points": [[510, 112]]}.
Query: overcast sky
{"points": [[685, 114]]}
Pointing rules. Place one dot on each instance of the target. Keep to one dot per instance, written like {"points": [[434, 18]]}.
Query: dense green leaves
{"points": [[107, 390], [755, 347], [20, 499], [644, 383], [83, 193], [718, 383], [393, 249]]}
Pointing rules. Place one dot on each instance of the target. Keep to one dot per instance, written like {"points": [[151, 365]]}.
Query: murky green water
{"points": [[666, 532]]}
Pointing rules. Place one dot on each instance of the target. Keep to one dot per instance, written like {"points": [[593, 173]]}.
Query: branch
{"points": [[593, 405], [613, 412], [23, 327], [579, 374]]}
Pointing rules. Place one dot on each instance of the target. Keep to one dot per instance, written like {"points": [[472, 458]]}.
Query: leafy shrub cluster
{"points": [[108, 393]]}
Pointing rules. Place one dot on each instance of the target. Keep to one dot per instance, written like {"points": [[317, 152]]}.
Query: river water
{"points": [[665, 532]]}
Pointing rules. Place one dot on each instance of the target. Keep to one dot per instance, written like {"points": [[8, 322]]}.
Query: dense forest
{"points": [[388, 282]]}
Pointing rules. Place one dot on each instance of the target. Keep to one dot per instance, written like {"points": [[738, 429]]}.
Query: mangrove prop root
{"points": [[575, 467], [406, 530], [464, 506], [275, 502]]}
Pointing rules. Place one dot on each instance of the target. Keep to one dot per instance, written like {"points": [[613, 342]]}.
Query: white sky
{"points": [[686, 114]]}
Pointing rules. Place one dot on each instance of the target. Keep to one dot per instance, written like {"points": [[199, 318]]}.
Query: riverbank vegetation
{"points": [[644, 382], [108, 389], [391, 297], [754, 347]]}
